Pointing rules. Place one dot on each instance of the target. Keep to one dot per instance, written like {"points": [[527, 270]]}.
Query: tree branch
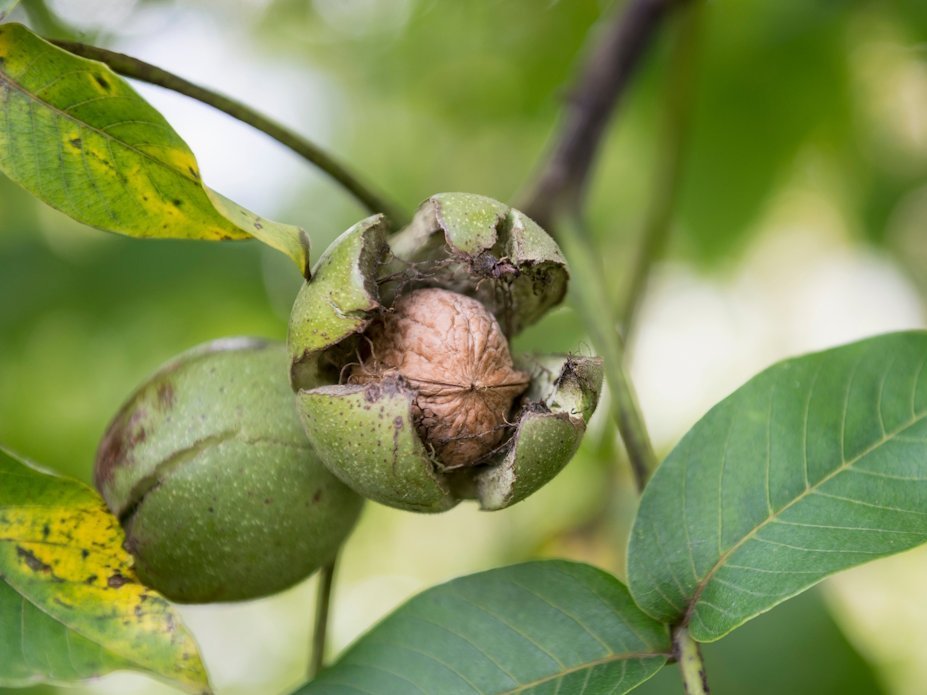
{"points": [[611, 62], [145, 72], [658, 219]]}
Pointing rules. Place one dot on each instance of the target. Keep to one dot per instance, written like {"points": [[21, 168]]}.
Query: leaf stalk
{"points": [[691, 666]]}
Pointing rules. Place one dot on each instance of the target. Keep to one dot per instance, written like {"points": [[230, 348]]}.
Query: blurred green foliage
{"points": [[795, 648], [430, 96]]}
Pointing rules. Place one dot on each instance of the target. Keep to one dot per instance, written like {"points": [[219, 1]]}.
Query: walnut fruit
{"points": [[452, 352], [400, 358], [210, 473]]}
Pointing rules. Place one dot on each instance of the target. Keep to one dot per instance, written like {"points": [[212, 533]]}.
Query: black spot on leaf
{"points": [[32, 562], [117, 580]]}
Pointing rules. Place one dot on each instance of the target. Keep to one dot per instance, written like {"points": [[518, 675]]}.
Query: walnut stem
{"points": [[594, 307], [612, 59], [322, 606], [557, 198], [145, 72]]}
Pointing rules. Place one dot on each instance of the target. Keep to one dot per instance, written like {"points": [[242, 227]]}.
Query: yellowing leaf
{"points": [[76, 135], [70, 604]]}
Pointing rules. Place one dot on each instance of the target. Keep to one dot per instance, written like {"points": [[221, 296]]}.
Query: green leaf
{"points": [[70, 605], [540, 627], [816, 465], [6, 6], [77, 136]]}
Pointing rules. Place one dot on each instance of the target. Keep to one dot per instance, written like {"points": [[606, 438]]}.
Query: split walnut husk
{"points": [[401, 363]]}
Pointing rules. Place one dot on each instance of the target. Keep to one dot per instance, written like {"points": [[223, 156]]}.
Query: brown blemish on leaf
{"points": [[117, 580], [76, 143], [32, 562]]}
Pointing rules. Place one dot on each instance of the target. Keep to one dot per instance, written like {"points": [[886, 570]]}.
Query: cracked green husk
{"points": [[365, 434]]}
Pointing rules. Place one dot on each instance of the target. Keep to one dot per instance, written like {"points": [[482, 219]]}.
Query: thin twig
{"points": [[680, 99], [612, 59], [145, 72], [322, 605], [691, 666], [557, 196], [592, 303]]}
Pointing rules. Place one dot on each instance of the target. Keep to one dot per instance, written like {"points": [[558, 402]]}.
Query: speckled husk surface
{"points": [[211, 474]]}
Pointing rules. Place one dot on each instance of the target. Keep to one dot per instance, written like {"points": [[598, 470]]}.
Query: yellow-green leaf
{"points": [[70, 605], [76, 135]]}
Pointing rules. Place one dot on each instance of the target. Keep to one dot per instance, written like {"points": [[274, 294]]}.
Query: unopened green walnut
{"points": [[211, 475]]}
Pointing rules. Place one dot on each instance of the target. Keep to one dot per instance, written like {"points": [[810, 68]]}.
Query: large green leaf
{"points": [[539, 627], [77, 136], [70, 605], [816, 465]]}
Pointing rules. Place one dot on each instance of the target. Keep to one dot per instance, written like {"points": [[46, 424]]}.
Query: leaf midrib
{"points": [[77, 632], [5, 77], [611, 658], [884, 439]]}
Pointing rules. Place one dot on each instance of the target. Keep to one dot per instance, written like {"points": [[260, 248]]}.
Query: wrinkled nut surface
{"points": [[453, 353], [208, 469]]}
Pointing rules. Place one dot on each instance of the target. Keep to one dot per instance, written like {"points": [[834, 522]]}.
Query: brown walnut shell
{"points": [[453, 353]]}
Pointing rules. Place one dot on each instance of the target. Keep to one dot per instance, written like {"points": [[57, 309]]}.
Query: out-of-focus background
{"points": [[802, 224]]}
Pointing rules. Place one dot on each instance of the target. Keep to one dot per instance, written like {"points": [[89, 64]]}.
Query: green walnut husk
{"points": [[366, 433], [210, 473]]}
